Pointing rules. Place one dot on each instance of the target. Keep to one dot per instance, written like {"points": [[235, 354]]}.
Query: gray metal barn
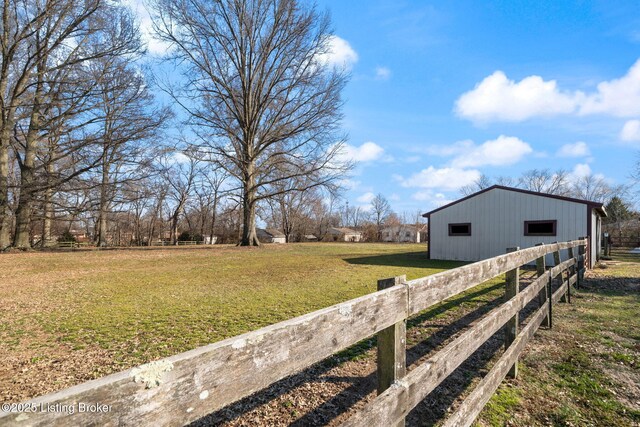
{"points": [[482, 225]]}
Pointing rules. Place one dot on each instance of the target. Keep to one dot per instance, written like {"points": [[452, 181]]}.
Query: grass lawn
{"points": [[586, 370], [86, 314], [67, 317]]}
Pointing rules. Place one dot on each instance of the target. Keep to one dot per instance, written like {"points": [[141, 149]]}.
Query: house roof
{"points": [[599, 207], [407, 227], [344, 230], [272, 232]]}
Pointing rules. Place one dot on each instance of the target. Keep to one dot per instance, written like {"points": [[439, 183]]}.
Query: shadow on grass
{"points": [[359, 387], [612, 286], [407, 259]]}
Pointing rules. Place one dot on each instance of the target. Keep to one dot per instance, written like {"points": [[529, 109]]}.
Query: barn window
{"points": [[463, 229], [540, 228]]}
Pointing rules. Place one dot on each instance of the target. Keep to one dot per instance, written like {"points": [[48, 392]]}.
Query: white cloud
{"points": [[154, 46], [580, 171], [497, 98], [579, 149], [367, 152], [445, 178], [618, 97], [179, 157], [504, 150], [434, 199], [340, 54], [366, 197], [448, 150], [383, 73], [349, 184], [631, 131]]}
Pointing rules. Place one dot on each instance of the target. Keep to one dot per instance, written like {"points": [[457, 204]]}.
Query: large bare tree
{"points": [[261, 99], [129, 128], [46, 89]]}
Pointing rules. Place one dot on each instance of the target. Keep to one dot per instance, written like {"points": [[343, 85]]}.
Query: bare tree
{"points": [[481, 183], [128, 125], [595, 188], [181, 177], [258, 92], [545, 181], [50, 87], [208, 191], [380, 210]]}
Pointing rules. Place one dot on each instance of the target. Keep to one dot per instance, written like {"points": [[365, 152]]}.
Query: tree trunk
{"points": [[22, 238], [174, 228], [46, 239], [213, 215], [24, 210], [249, 236], [102, 213], [5, 213]]}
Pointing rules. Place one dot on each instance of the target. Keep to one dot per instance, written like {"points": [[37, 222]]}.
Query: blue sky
{"points": [[444, 91], [540, 106]]}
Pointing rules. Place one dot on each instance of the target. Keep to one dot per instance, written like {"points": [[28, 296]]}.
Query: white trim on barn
{"points": [[486, 223]]}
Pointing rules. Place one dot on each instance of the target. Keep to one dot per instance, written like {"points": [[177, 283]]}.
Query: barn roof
{"points": [[599, 207]]}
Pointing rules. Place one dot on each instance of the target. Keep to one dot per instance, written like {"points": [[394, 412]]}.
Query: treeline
{"points": [[560, 182], [85, 147]]}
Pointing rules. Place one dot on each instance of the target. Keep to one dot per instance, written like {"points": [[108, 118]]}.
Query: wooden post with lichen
{"points": [[512, 279], [541, 269], [581, 262], [392, 347]]}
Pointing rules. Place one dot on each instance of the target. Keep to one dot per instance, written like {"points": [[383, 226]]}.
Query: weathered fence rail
{"points": [[190, 385]]}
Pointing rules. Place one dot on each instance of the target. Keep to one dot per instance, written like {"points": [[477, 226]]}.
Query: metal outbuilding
{"points": [[482, 225]]}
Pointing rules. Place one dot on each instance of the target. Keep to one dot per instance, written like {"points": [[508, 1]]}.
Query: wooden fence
{"points": [[185, 387]]}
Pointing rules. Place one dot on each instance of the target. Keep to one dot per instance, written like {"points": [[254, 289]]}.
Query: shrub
{"points": [[67, 237], [188, 236]]}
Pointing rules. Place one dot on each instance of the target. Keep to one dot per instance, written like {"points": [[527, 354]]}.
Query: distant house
{"points": [[80, 236], [403, 233], [484, 224], [309, 238], [342, 234], [271, 235]]}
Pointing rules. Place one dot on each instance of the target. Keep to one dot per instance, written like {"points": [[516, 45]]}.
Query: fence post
{"points": [[581, 261], [392, 347], [570, 272], [512, 278], [541, 269], [557, 261]]}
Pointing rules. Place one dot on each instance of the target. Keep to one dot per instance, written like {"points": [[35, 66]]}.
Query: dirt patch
{"points": [[31, 372]]}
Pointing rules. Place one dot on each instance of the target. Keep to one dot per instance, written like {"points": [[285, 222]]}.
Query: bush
{"points": [[67, 237]]}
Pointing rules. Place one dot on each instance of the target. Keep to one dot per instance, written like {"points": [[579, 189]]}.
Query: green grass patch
{"points": [[146, 304]]}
